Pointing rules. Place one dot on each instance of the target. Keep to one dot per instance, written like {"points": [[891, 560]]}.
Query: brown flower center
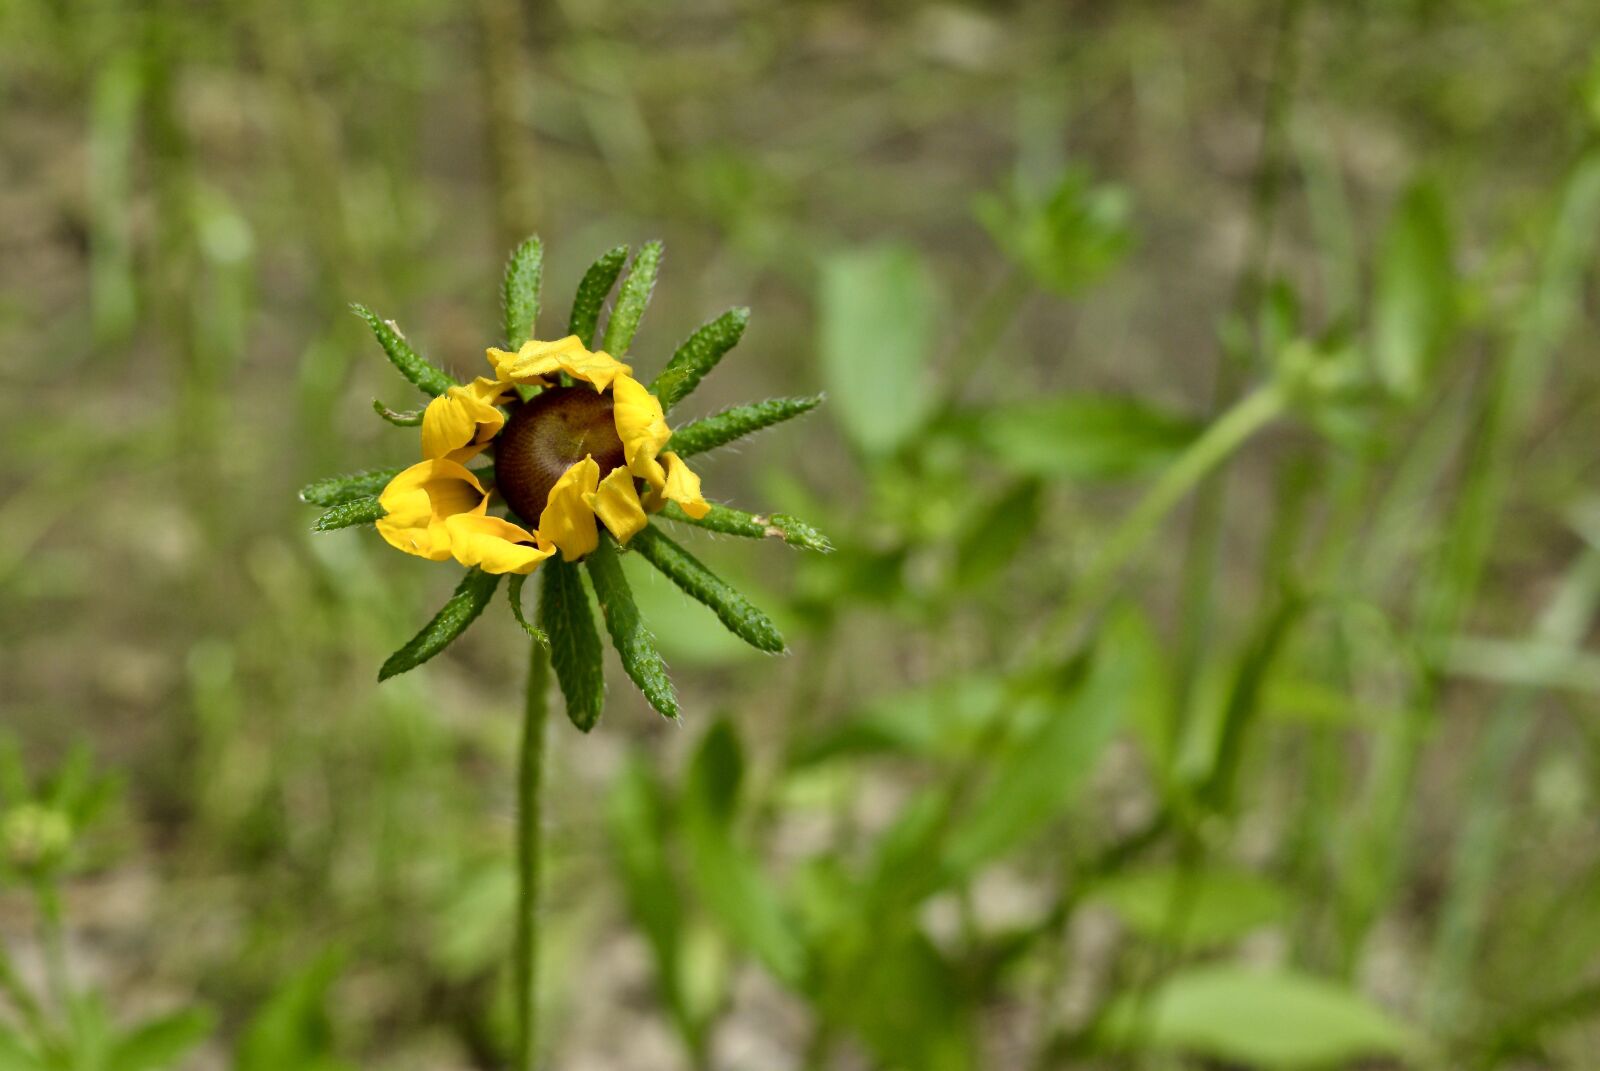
{"points": [[545, 437]]}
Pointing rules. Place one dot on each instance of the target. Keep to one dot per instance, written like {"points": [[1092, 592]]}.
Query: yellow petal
{"points": [[567, 520], [495, 545], [641, 425], [537, 362], [459, 423], [617, 504], [421, 500], [680, 485]]}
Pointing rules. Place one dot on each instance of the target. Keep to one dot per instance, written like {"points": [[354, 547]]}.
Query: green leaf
{"points": [[1203, 908], [727, 878], [471, 596], [409, 419], [997, 532], [574, 644], [294, 1029], [15, 1055], [877, 328], [337, 490], [514, 593], [1045, 770], [697, 355], [428, 377], [945, 718], [629, 634], [687, 632], [160, 1043], [349, 514], [592, 291], [1413, 306], [632, 300], [1065, 240], [730, 521], [732, 609], [519, 291], [699, 436], [1269, 1019], [1077, 436]]}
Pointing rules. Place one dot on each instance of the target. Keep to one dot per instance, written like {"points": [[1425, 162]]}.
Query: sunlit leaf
{"points": [[1414, 300]]}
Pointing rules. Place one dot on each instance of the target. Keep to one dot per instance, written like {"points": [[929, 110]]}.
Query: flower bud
{"points": [[34, 838], [549, 434]]}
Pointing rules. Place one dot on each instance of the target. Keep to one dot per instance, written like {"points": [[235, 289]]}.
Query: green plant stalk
{"points": [[52, 936], [1219, 442], [530, 817], [27, 1007]]}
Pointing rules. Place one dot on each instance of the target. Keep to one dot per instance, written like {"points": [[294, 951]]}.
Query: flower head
{"points": [[578, 464]]}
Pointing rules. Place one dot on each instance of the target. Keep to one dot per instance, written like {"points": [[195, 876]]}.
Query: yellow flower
{"points": [[568, 456], [420, 502], [459, 423]]}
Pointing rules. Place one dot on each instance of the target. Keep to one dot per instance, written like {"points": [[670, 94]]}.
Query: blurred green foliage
{"points": [[1201, 676]]}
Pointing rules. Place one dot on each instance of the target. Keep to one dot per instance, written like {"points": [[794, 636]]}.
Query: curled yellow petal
{"points": [[537, 362], [617, 504], [641, 425], [459, 423], [679, 484], [495, 545], [421, 500], [567, 520]]}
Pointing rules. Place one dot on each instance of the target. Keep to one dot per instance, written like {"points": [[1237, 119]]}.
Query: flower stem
{"points": [[1225, 435], [530, 784]]}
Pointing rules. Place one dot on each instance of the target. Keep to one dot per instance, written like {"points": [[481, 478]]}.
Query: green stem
{"points": [[1225, 435], [27, 1007], [530, 783], [52, 930]]}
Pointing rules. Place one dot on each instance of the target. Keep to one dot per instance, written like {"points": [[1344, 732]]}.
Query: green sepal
{"points": [[730, 521], [632, 299], [632, 639], [349, 514], [337, 490], [701, 435], [575, 650], [399, 419], [427, 376], [471, 596], [732, 609], [697, 355], [519, 292], [592, 291], [514, 593]]}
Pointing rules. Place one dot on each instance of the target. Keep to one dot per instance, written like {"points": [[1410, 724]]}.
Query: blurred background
{"points": [[1203, 678]]}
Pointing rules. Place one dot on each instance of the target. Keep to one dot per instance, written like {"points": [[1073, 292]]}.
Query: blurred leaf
{"points": [[1065, 240], [1078, 436], [424, 374], [575, 651], [730, 521], [629, 633], [1275, 1019], [474, 924], [633, 299], [591, 295], [15, 1054], [349, 514], [697, 355], [1414, 299], [160, 1043], [700, 436], [735, 612], [1046, 769], [728, 881], [337, 490], [1203, 908], [877, 309], [943, 718], [997, 532], [519, 291], [471, 596], [294, 1029], [638, 819]]}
